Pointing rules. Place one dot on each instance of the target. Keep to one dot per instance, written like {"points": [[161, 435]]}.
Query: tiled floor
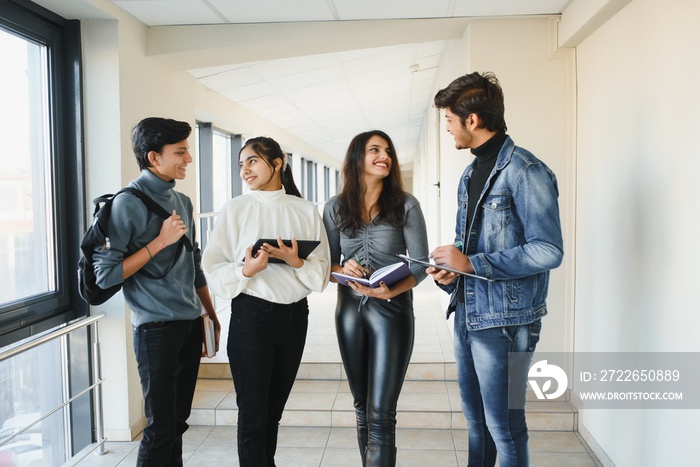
{"points": [[318, 425], [208, 446]]}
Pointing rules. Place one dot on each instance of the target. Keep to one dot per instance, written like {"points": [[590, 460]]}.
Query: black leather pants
{"points": [[376, 342]]}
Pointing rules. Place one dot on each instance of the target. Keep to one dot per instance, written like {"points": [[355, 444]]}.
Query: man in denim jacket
{"points": [[508, 231]]}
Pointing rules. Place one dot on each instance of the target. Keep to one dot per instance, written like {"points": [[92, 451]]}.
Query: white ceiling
{"points": [[325, 99]]}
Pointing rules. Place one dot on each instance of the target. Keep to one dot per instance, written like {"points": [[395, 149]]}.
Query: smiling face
{"points": [[378, 157], [257, 173], [172, 162]]}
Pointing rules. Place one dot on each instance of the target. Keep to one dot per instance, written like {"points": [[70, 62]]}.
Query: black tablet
{"points": [[305, 247]]}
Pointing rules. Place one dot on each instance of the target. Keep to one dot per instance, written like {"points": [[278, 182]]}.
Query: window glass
{"points": [[32, 388], [27, 238], [220, 165]]}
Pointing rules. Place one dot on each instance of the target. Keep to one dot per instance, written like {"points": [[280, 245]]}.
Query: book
{"points": [[390, 275], [208, 337], [438, 266], [305, 247]]}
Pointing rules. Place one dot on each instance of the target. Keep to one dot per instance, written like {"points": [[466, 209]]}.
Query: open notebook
{"points": [[390, 275]]}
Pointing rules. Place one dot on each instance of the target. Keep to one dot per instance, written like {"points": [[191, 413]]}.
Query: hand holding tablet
{"points": [[305, 247]]}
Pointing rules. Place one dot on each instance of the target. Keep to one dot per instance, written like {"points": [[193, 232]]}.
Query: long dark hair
{"points": [[351, 198], [269, 150]]}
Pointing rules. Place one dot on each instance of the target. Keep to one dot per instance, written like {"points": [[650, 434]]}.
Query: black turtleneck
{"points": [[486, 156]]}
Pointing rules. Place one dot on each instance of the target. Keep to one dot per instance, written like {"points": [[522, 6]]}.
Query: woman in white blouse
{"points": [[269, 310]]}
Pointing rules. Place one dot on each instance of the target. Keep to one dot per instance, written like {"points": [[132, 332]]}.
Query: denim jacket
{"points": [[515, 240]]}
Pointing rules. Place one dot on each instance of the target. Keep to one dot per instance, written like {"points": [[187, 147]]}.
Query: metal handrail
{"points": [[67, 329], [96, 374]]}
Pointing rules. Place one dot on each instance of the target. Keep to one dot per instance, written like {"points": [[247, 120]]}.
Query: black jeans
{"points": [[168, 355], [376, 341], [265, 344]]}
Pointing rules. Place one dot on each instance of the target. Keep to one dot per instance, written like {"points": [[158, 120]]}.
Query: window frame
{"points": [[32, 315]]}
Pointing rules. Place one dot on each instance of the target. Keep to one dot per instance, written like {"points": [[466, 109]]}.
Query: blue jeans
{"points": [[168, 355], [265, 345], [482, 372]]}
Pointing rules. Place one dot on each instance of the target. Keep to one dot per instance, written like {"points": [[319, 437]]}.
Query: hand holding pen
{"points": [[353, 267], [451, 256]]}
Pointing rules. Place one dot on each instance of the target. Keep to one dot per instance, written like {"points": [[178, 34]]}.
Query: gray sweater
{"points": [[377, 244], [131, 227]]}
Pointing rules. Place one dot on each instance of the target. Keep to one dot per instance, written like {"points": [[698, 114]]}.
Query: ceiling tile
{"points": [[230, 79], [372, 9], [322, 89], [272, 102], [508, 8], [250, 91], [307, 79], [291, 66], [170, 12], [333, 100], [203, 72], [268, 11]]}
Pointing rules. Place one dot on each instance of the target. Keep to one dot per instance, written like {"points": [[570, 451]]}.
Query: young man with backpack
{"points": [[163, 285]]}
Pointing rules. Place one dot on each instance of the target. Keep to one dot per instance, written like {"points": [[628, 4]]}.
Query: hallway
{"points": [[317, 429]]}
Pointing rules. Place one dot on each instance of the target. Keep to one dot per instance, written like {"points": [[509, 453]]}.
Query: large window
{"points": [[27, 237], [217, 152], [39, 191]]}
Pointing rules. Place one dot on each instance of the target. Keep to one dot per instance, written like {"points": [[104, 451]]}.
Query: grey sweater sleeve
{"points": [[416, 237]]}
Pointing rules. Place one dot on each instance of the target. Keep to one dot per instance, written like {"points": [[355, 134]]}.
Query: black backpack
{"points": [[97, 235]]}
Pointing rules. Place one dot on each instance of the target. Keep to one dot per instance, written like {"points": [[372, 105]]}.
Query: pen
{"points": [[364, 274]]}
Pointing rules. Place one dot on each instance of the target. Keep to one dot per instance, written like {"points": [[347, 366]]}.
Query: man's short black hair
{"points": [[152, 133], [476, 93]]}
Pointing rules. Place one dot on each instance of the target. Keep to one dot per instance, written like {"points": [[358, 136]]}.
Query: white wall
{"points": [[104, 167], [636, 227]]}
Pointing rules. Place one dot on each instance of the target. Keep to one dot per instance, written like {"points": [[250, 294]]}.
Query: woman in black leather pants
{"points": [[371, 221]]}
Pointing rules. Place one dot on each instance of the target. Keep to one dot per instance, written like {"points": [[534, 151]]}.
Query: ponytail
{"points": [[288, 181]]}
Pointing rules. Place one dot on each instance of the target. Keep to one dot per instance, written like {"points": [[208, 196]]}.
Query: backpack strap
{"points": [[156, 208], [163, 214]]}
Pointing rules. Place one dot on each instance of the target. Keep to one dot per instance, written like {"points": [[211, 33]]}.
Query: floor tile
{"points": [[558, 459], [222, 437], [423, 403], [343, 438], [335, 457], [299, 457], [208, 399], [424, 439], [310, 401], [299, 437], [208, 456], [423, 458], [224, 385], [555, 441]]}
